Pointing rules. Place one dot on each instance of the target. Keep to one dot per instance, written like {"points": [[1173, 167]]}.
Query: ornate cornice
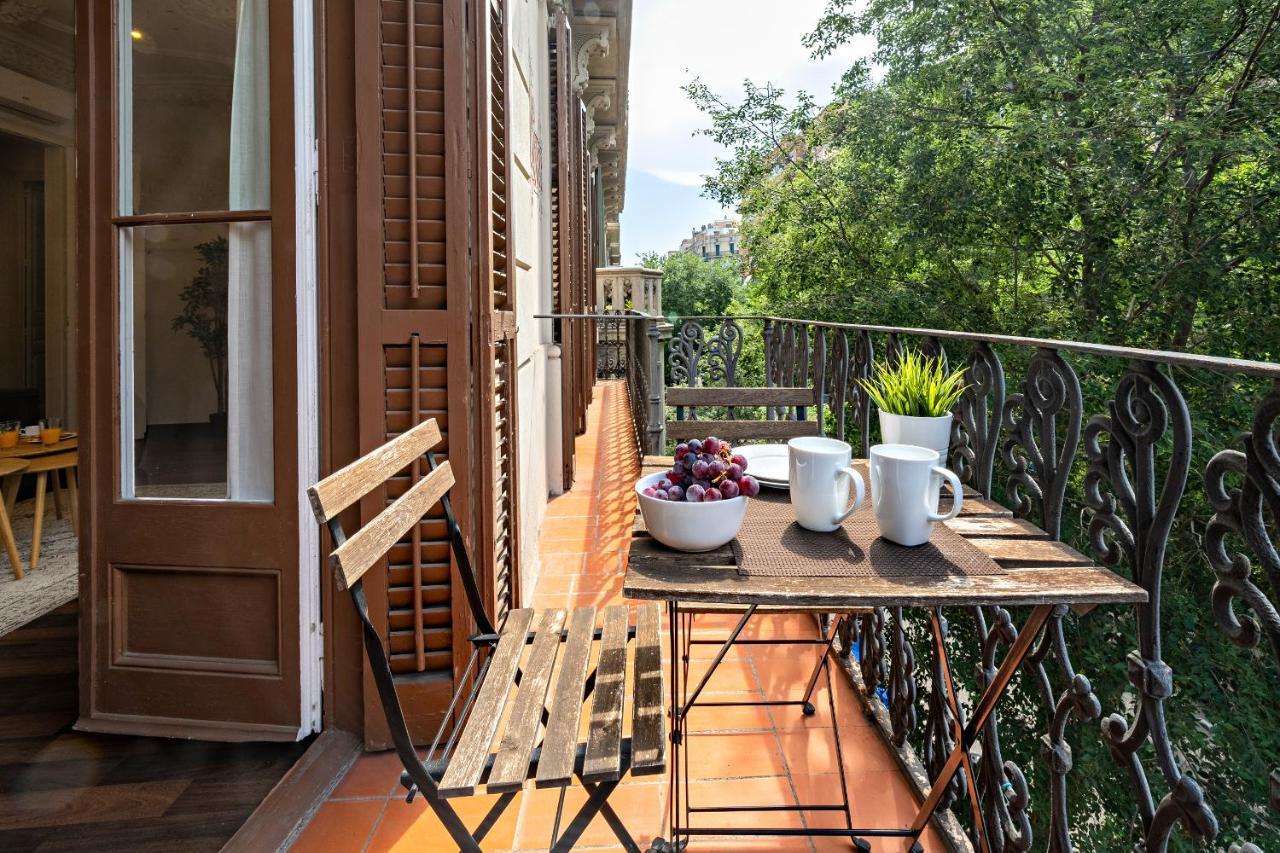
{"points": [[605, 136], [599, 96], [592, 37]]}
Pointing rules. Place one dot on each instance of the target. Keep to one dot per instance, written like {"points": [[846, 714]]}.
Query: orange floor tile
{"points": [[747, 755]]}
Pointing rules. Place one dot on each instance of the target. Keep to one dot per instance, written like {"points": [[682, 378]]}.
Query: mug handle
{"points": [[957, 492], [859, 492]]}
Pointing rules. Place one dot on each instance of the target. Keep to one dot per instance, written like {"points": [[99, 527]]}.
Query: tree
{"points": [[692, 286]]}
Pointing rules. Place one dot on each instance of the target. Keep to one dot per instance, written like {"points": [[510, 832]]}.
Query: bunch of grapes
{"points": [[706, 470]]}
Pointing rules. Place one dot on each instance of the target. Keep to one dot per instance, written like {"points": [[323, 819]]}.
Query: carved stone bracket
{"points": [[592, 37]]}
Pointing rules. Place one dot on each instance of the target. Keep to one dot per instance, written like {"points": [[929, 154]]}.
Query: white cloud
{"points": [[723, 42], [678, 177]]}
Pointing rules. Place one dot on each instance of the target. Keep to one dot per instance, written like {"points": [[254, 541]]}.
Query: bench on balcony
{"points": [[506, 726], [774, 400]]}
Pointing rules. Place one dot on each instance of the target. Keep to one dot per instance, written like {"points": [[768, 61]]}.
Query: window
{"points": [[717, 250], [194, 232], [733, 250]]}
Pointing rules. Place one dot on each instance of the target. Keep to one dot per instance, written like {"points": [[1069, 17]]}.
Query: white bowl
{"points": [[688, 526]]}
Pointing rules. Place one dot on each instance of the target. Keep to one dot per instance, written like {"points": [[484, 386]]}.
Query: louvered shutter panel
{"points": [[495, 314], [413, 324], [562, 265]]}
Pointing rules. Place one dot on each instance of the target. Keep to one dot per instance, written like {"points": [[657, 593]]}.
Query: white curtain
{"points": [[250, 468]]}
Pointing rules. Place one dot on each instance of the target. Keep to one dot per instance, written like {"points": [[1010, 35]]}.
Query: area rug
{"points": [[50, 586]]}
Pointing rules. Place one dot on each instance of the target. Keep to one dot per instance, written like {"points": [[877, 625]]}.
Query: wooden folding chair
{"points": [[501, 683]]}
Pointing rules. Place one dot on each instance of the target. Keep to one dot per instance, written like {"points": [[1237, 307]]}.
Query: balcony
{"points": [[1160, 465]]}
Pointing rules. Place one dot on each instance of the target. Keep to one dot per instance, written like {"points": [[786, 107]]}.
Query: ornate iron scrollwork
{"points": [[940, 725], [722, 353], [1240, 514], [1002, 787], [684, 353], [902, 680], [1039, 467], [863, 357], [1133, 514], [978, 418]]}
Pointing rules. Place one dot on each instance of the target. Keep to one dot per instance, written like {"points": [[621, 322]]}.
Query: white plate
{"points": [[767, 463]]}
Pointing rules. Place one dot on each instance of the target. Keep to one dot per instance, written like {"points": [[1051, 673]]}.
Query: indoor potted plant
{"points": [[204, 317], [915, 397]]}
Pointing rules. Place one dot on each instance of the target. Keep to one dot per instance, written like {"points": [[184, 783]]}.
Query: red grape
{"points": [[700, 470], [675, 493], [664, 484], [735, 471], [695, 446], [661, 494], [739, 460], [729, 489], [713, 494], [649, 492], [682, 450], [695, 493], [676, 477], [749, 486]]}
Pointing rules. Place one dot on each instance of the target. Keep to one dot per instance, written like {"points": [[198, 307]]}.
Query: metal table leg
{"points": [[981, 713]]}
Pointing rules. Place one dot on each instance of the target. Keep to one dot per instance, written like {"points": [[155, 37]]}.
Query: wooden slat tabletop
{"points": [[1038, 570]]}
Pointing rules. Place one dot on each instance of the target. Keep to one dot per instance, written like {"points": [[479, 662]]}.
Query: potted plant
{"points": [[204, 316], [915, 397]]}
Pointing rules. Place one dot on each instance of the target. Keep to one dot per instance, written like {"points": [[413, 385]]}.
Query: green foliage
{"points": [[1097, 171], [694, 287], [204, 312], [916, 386]]}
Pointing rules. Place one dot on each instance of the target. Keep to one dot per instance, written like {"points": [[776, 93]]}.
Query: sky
{"points": [[724, 42]]}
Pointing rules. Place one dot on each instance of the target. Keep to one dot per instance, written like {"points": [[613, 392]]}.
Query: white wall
{"points": [[531, 145]]}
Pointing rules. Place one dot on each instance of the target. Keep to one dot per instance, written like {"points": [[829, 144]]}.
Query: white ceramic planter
{"points": [[933, 433]]}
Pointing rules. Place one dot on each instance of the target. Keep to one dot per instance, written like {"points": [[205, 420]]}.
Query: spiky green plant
{"points": [[917, 385]]}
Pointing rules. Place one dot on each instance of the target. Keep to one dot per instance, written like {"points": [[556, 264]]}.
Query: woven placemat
{"points": [[772, 544]]}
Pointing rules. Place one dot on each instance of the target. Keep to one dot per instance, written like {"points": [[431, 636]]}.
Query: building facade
{"points": [[280, 232], [719, 239]]}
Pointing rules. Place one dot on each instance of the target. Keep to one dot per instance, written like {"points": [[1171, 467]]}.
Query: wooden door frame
{"points": [[292, 227]]}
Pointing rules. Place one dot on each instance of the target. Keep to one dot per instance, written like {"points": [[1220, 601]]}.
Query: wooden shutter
{"points": [[563, 269], [494, 302], [413, 323]]}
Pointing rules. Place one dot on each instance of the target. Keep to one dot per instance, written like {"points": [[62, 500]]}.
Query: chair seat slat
{"points": [[463, 776], [603, 761], [511, 766], [648, 711], [559, 747]]}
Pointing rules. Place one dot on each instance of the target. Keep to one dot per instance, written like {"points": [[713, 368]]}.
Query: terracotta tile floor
{"points": [[747, 755]]}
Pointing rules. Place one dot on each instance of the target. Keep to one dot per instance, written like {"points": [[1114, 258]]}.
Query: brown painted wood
{"points": [[467, 765], [648, 697], [511, 765], [684, 396], [559, 746], [603, 762], [343, 488], [738, 430], [139, 556], [86, 791]]}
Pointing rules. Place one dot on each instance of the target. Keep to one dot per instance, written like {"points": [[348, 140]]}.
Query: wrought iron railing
{"points": [[1103, 447]]}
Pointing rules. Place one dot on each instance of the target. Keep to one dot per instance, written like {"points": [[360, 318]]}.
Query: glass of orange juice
{"points": [[50, 430], [9, 432]]}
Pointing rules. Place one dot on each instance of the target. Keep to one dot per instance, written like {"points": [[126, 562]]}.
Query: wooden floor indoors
{"points": [[747, 755], [65, 790]]}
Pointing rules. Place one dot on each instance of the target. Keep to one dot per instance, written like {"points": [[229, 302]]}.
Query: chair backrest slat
{"points": [[343, 488], [370, 543]]}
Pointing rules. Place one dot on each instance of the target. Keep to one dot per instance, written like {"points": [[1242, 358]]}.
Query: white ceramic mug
{"points": [[906, 484], [819, 473]]}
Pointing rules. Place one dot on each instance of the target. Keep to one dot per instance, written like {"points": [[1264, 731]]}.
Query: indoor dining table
{"points": [[1026, 569]]}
